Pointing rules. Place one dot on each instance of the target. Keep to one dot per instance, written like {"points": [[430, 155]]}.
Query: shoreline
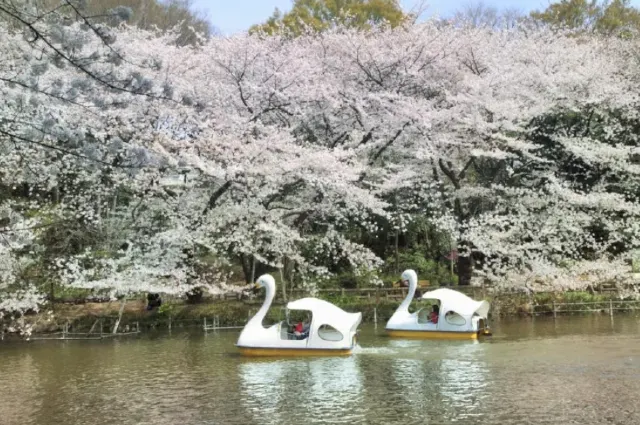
{"points": [[177, 314]]}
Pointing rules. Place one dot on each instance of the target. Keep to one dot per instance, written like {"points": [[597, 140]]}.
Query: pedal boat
{"points": [[460, 317], [332, 331]]}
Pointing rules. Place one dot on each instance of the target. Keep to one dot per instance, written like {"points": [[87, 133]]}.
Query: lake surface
{"points": [[574, 370]]}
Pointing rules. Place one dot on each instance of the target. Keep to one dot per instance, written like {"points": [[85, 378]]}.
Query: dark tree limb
{"points": [[213, 199], [386, 145]]}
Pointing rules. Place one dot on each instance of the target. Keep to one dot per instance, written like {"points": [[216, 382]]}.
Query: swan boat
{"points": [[459, 316], [331, 332]]}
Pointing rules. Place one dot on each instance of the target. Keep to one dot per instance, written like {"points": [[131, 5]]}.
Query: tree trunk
{"points": [[195, 296], [397, 260], [465, 269], [284, 284], [52, 295], [246, 268], [115, 327], [253, 268]]}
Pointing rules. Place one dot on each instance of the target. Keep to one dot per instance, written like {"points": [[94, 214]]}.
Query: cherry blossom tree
{"points": [[130, 163], [443, 107], [134, 233], [430, 108], [76, 126]]}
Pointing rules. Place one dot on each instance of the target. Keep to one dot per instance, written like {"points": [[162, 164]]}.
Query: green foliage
{"points": [[422, 235], [347, 279], [583, 297], [617, 16], [319, 15], [166, 309], [635, 262], [436, 273]]}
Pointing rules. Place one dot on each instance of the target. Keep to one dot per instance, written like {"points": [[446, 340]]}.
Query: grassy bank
{"points": [[177, 314]]}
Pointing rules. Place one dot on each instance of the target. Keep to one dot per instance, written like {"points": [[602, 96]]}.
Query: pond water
{"points": [[582, 370]]}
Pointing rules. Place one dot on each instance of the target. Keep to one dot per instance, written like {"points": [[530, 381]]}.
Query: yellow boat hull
{"points": [[292, 352], [403, 333]]}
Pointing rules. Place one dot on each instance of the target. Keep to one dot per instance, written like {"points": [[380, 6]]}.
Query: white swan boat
{"points": [[459, 317], [332, 331]]}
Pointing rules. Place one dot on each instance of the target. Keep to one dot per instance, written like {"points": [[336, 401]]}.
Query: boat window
{"points": [[425, 315], [296, 325], [454, 318], [329, 333]]}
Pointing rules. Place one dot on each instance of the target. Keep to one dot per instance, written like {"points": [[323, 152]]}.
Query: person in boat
{"points": [[306, 325], [435, 312], [298, 330]]}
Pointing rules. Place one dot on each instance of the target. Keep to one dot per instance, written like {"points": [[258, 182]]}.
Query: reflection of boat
{"points": [[328, 388], [458, 316], [257, 383], [464, 382], [454, 378], [331, 331]]}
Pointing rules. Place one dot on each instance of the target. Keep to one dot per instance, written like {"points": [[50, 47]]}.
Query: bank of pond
{"points": [[440, 313]]}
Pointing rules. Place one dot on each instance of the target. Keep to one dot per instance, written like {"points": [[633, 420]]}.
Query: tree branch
{"points": [[216, 195], [386, 145]]}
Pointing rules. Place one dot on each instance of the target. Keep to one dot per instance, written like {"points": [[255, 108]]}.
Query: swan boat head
{"points": [[265, 281], [409, 278], [255, 323], [401, 316]]}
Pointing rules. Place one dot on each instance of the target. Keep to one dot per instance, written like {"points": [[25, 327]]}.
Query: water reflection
{"points": [[412, 376], [21, 390], [262, 390], [463, 384], [440, 378], [317, 390], [573, 370]]}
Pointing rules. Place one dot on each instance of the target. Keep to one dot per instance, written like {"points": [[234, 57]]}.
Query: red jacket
{"points": [[298, 327], [434, 317]]}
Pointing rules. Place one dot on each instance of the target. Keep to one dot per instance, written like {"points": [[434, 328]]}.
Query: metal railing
{"points": [[381, 292], [92, 334], [587, 307], [214, 325]]}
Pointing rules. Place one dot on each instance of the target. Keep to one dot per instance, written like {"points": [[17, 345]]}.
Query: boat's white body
{"points": [[340, 338], [460, 317]]}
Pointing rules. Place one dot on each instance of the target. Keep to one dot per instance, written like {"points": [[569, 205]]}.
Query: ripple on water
{"points": [[571, 375]]}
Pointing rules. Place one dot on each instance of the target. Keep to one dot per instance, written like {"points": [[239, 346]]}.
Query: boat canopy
{"points": [[458, 302], [325, 313]]}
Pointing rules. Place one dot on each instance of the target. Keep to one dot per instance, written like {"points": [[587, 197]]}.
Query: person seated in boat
{"points": [[435, 312], [298, 330]]}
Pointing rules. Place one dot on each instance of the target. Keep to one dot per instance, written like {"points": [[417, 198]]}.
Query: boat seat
{"points": [[424, 316]]}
